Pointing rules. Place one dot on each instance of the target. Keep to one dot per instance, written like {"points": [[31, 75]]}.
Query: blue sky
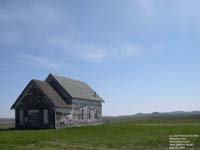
{"points": [[139, 55]]}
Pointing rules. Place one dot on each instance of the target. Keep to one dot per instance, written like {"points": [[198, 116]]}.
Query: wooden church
{"points": [[57, 102]]}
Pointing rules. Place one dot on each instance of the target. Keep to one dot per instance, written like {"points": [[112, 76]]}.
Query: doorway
{"points": [[33, 118]]}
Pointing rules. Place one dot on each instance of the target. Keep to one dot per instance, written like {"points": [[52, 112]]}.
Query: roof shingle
{"points": [[51, 93], [77, 89]]}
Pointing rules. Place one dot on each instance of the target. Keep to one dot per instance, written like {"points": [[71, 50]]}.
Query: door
{"points": [[33, 118]]}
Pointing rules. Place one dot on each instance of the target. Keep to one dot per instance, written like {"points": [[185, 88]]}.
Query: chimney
{"points": [[95, 94]]}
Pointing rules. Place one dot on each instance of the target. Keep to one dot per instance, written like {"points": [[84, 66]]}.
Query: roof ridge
{"points": [[67, 78], [37, 80]]}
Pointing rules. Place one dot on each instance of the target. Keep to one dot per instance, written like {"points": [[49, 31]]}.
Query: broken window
{"points": [[46, 118], [21, 116]]}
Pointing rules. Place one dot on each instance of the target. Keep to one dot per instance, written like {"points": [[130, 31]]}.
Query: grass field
{"points": [[131, 135]]}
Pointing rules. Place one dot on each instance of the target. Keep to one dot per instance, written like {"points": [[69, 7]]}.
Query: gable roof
{"points": [[77, 89], [51, 93], [46, 88]]}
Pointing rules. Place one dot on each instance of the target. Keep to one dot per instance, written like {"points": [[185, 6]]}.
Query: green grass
{"points": [[135, 135]]}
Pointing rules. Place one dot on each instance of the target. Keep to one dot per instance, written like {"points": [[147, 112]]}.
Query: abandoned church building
{"points": [[57, 102]]}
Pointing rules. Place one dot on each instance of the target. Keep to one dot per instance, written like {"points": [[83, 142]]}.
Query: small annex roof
{"points": [[77, 89], [46, 88], [51, 93]]}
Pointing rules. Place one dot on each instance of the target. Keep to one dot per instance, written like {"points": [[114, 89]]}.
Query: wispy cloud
{"points": [[41, 62], [31, 20], [92, 53], [98, 53]]}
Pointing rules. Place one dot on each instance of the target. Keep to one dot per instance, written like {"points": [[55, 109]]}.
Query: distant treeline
{"points": [[7, 120], [153, 116]]}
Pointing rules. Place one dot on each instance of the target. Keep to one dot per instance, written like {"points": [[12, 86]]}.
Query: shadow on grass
{"points": [[22, 129]]}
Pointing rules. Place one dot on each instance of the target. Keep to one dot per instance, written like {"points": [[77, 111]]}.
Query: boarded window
{"points": [[84, 113], [33, 117], [58, 116], [76, 114], [81, 112], [21, 116], [96, 114], [92, 114], [46, 118], [33, 111], [89, 113]]}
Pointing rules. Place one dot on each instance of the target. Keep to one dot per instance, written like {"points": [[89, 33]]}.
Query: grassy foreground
{"points": [[135, 135]]}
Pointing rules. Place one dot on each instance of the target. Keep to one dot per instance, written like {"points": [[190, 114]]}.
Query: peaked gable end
{"points": [[74, 88], [59, 89], [42, 89]]}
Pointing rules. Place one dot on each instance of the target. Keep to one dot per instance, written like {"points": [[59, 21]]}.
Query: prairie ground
{"points": [[129, 135]]}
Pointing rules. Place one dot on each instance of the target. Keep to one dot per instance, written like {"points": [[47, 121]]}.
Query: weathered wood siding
{"points": [[32, 107], [83, 112], [63, 117]]}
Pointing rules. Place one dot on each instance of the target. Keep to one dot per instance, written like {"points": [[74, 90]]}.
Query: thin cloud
{"points": [[31, 18], [128, 50], [93, 53], [41, 62], [97, 53]]}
